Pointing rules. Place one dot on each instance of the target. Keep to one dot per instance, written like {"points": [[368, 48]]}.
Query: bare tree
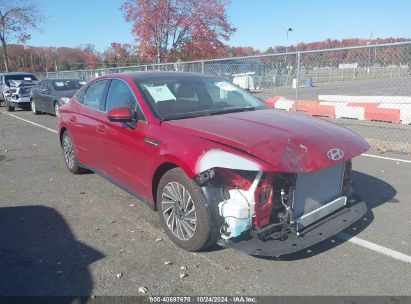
{"points": [[17, 18]]}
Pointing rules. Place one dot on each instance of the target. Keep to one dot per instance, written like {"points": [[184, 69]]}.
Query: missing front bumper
{"points": [[317, 232]]}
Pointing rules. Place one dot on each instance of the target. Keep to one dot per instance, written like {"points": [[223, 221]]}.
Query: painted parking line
{"points": [[349, 238], [387, 158], [33, 123], [375, 247]]}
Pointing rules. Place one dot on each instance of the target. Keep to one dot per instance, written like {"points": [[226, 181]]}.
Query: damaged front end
{"points": [[17, 92], [275, 213]]}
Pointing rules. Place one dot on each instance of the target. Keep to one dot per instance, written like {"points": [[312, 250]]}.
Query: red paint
{"points": [[275, 140], [313, 108], [271, 101], [372, 112], [120, 114], [263, 198]]}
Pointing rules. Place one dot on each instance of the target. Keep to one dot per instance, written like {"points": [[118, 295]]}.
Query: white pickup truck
{"points": [[15, 89]]}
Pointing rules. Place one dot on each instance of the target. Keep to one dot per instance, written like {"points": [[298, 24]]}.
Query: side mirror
{"points": [[120, 115]]}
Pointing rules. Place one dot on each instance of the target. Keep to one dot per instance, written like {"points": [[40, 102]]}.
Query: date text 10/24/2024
{"points": [[202, 299]]}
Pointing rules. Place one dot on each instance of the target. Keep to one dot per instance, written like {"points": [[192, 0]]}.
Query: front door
{"points": [[86, 114], [123, 151]]}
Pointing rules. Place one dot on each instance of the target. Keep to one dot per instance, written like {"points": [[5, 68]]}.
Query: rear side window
{"points": [[120, 95], [80, 94], [94, 96]]}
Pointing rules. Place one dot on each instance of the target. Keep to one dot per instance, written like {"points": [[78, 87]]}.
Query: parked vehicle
{"points": [[217, 163], [49, 94], [15, 89]]}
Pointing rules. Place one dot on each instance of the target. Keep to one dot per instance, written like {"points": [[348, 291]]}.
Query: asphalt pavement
{"points": [[65, 234]]}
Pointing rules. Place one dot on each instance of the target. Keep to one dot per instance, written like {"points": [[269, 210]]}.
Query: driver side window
{"points": [[120, 95]]}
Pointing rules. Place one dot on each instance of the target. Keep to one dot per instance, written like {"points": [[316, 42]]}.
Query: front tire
{"points": [[70, 156], [33, 107], [9, 107], [183, 211]]}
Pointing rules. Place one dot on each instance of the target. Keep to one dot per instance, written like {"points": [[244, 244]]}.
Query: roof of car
{"points": [[62, 79], [16, 73], [160, 74]]}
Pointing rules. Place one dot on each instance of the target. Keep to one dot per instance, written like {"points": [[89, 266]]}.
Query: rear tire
{"points": [[56, 109], [69, 154], [183, 211]]}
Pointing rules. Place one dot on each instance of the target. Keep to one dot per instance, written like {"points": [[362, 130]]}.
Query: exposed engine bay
{"points": [[270, 205]]}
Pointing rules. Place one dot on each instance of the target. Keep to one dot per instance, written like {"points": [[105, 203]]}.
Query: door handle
{"points": [[101, 129]]}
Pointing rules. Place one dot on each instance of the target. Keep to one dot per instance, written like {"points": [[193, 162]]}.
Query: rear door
{"points": [[88, 110], [41, 99], [123, 152], [49, 98]]}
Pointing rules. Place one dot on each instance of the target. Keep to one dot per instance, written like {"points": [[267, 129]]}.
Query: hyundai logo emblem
{"points": [[335, 154]]}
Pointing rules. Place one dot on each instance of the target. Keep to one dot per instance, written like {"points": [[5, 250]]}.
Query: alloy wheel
{"points": [[56, 109], [179, 211], [33, 107], [68, 150]]}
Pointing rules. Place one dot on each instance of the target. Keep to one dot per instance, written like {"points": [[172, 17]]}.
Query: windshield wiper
{"points": [[207, 113], [231, 110], [183, 116]]}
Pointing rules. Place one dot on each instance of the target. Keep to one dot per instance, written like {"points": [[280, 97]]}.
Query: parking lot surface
{"points": [[65, 234]]}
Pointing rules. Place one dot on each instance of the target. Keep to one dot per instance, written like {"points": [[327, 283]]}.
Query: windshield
{"points": [[184, 97], [26, 77], [66, 85]]}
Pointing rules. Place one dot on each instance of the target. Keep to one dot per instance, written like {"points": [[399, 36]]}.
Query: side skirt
{"points": [[122, 186]]}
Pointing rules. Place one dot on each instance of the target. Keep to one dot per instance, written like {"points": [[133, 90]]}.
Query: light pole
{"points": [[286, 45]]}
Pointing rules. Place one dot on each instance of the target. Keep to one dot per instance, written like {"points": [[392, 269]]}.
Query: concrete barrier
{"points": [[393, 109]]}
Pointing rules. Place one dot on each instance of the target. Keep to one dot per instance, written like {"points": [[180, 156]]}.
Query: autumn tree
{"points": [[17, 18], [171, 29], [120, 54]]}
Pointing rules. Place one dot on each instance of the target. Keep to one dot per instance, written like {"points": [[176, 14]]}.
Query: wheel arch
{"points": [[158, 174], [62, 130]]}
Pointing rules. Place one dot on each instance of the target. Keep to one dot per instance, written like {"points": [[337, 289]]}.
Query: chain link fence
{"points": [[366, 88]]}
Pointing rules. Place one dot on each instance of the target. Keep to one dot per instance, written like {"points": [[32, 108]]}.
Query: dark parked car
{"points": [[217, 163], [49, 94]]}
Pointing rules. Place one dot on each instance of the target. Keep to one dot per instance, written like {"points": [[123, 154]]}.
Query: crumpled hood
{"points": [[289, 142], [20, 83]]}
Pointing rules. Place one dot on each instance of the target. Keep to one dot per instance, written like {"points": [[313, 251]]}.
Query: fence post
{"points": [[297, 80], [202, 67]]}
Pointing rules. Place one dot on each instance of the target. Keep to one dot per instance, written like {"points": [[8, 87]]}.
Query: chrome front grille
{"points": [[313, 190]]}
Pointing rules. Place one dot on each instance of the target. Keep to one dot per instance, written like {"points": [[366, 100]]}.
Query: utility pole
{"points": [[286, 44]]}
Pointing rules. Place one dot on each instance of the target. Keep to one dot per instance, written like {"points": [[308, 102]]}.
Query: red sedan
{"points": [[216, 163]]}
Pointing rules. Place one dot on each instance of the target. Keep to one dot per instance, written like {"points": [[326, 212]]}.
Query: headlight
{"points": [[64, 99]]}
